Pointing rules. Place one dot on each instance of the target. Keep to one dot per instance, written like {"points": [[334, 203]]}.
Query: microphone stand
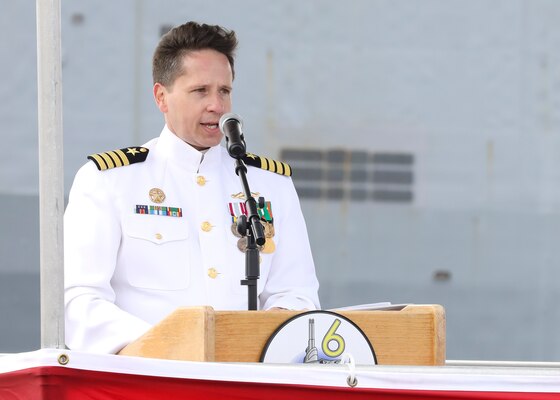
{"points": [[251, 228]]}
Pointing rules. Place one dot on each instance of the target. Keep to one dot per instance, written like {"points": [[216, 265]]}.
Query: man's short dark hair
{"points": [[167, 63]]}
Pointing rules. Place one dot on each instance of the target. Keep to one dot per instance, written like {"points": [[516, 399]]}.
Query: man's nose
{"points": [[216, 104]]}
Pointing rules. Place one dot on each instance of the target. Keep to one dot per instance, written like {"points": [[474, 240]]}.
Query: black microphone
{"points": [[231, 126]]}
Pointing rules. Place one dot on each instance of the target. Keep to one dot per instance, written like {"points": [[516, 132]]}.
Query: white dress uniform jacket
{"points": [[125, 271]]}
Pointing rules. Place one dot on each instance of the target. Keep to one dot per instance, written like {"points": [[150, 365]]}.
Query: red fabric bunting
{"points": [[62, 383]]}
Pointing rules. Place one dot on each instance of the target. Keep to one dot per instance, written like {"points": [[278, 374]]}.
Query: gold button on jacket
{"points": [[213, 273], [206, 226]]}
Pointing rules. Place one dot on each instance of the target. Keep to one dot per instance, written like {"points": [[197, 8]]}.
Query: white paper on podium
{"points": [[384, 306]]}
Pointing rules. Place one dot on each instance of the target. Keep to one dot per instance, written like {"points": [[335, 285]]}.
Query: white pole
{"points": [[51, 178]]}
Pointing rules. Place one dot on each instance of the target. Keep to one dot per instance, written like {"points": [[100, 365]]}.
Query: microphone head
{"points": [[231, 127], [227, 117]]}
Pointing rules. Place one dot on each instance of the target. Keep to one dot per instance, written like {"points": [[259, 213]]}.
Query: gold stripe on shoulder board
{"points": [[267, 164], [119, 158]]}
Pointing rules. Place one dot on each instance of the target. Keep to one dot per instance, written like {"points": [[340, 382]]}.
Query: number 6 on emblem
{"points": [[331, 336]]}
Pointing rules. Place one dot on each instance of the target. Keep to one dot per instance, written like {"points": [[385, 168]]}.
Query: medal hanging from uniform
{"points": [[268, 222], [266, 219]]}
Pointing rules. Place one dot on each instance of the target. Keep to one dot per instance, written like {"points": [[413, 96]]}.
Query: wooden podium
{"points": [[414, 335]]}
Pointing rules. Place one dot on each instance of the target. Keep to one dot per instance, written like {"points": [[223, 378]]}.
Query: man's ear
{"points": [[160, 96]]}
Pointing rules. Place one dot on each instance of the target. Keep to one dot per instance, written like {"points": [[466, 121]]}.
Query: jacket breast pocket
{"points": [[154, 252]]}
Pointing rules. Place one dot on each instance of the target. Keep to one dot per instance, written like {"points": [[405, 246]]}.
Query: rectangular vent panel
{"points": [[352, 175]]}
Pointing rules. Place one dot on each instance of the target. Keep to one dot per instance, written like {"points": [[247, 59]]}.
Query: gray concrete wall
{"points": [[19, 273], [467, 91]]}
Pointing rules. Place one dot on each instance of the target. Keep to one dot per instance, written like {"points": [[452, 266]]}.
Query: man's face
{"points": [[197, 99]]}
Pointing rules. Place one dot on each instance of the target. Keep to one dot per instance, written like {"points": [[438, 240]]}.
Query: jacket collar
{"points": [[183, 155]]}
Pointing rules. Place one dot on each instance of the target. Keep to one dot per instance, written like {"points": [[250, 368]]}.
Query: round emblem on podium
{"points": [[318, 337]]}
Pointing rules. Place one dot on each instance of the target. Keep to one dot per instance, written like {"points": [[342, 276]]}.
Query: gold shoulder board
{"points": [[119, 158], [268, 164]]}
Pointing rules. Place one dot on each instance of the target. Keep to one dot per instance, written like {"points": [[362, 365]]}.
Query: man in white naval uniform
{"points": [[149, 229]]}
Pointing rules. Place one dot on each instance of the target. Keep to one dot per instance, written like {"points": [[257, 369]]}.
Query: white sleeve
{"points": [[291, 283], [92, 235]]}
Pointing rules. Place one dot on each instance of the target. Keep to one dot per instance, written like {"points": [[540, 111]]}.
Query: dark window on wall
{"points": [[352, 175]]}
